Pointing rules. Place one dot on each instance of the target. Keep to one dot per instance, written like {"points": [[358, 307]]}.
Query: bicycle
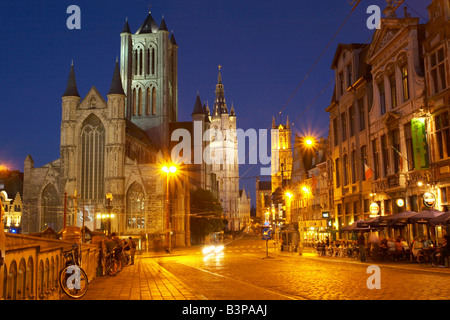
{"points": [[72, 278], [111, 264]]}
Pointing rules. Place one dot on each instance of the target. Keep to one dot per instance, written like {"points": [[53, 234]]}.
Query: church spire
{"points": [[116, 83], [220, 107], [71, 89], [198, 109]]}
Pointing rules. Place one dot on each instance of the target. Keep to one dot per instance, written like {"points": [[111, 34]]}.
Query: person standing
{"points": [[362, 246], [132, 246]]}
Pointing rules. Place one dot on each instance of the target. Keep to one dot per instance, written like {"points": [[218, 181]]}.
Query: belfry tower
{"points": [[148, 61]]}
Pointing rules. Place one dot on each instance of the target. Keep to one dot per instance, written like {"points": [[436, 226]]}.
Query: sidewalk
{"points": [[145, 280], [407, 265]]}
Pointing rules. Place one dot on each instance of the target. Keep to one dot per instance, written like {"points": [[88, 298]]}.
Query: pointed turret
{"points": [[126, 27], [273, 122], [172, 39], [219, 103], [288, 125], [162, 26], [116, 83], [149, 26], [71, 89], [198, 109], [232, 113]]}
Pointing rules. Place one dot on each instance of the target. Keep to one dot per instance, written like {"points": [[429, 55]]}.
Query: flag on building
{"points": [[368, 172]]}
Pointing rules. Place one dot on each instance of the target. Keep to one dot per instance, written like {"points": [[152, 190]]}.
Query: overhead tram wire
{"points": [[310, 70], [320, 56]]}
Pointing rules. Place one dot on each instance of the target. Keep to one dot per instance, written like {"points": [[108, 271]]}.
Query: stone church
{"points": [[118, 146]]}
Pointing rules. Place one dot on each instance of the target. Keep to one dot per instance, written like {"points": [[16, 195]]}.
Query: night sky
{"points": [[266, 49]]}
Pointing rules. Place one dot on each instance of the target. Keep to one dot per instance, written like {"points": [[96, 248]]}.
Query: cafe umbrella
{"points": [[425, 217], [441, 220]]}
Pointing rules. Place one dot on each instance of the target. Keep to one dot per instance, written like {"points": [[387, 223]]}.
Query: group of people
{"points": [[120, 247], [336, 248], [383, 249]]}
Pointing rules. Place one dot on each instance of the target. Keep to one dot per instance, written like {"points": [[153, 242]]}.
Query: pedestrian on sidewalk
{"points": [[132, 246], [362, 246]]}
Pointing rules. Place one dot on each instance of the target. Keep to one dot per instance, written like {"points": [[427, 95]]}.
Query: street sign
{"points": [[267, 234]]}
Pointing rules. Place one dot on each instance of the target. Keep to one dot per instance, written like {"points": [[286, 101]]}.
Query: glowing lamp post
{"points": [[168, 170]]}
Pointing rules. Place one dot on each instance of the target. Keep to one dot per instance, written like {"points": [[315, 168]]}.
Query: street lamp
{"points": [[168, 170], [109, 198]]}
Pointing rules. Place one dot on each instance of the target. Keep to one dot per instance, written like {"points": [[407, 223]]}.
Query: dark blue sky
{"points": [[265, 48]]}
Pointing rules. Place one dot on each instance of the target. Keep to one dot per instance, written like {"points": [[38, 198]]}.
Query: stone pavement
{"points": [[145, 280]]}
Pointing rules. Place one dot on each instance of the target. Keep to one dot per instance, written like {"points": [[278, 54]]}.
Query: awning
{"points": [[398, 218], [354, 227], [441, 220], [371, 223], [425, 216]]}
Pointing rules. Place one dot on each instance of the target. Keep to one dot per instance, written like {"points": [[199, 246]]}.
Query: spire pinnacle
{"points": [[116, 83], [71, 89]]}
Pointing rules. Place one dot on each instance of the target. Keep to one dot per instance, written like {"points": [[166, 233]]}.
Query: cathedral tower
{"points": [[148, 61], [224, 154], [281, 154]]}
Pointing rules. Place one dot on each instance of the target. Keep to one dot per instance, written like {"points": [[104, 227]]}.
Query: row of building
{"points": [[113, 151], [389, 132]]}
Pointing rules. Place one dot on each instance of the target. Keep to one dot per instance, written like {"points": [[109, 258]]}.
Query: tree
{"points": [[206, 214]]}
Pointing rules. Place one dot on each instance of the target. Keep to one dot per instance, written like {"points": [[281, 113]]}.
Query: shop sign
{"points": [[374, 208], [429, 199]]}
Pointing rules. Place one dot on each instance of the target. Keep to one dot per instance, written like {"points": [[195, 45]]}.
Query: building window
{"points": [[437, 71], [154, 101], [139, 102], [353, 166], [92, 158], [134, 101], [382, 93], [393, 87], [351, 113], [362, 114], [344, 126], [405, 83], [338, 176], [395, 142], [364, 162], [49, 205], [442, 134], [376, 159], [135, 215], [345, 168], [341, 83], [385, 155], [335, 132], [147, 102], [409, 146], [349, 75]]}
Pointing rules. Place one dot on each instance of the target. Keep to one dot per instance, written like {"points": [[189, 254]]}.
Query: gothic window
{"points": [[135, 216], [154, 101], [140, 62], [139, 102], [153, 61], [92, 158], [147, 64], [147, 102], [134, 101], [49, 207], [135, 62]]}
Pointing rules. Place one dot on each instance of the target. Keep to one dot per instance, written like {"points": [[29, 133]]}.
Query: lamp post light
{"points": [[168, 170], [109, 198]]}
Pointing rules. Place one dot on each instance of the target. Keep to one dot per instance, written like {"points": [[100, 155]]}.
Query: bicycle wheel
{"points": [[73, 281]]}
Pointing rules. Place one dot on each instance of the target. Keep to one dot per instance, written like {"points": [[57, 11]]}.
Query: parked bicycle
{"points": [[72, 278], [111, 264]]}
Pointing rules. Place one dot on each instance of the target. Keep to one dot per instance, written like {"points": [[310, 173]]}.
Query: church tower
{"points": [[148, 61], [281, 154], [224, 154]]}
